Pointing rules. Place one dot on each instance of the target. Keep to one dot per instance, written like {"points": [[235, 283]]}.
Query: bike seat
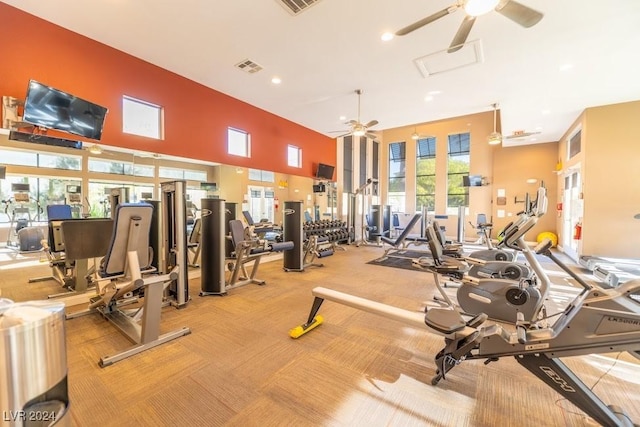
{"points": [[444, 320]]}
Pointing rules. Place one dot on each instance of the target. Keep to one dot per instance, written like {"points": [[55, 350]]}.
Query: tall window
{"points": [[397, 170], [294, 156], [238, 143], [141, 118], [457, 167], [574, 145], [426, 173], [347, 170]]}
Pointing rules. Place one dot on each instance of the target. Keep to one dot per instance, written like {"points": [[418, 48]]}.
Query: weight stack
{"points": [[212, 247], [292, 232], [230, 214]]}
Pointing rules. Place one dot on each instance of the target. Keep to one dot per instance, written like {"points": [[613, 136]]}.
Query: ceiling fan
{"points": [[517, 12], [494, 137], [357, 128]]}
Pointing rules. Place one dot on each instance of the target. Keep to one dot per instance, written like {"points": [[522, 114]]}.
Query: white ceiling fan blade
{"points": [[352, 123], [371, 123], [461, 36], [519, 13], [371, 135], [429, 19], [337, 131]]}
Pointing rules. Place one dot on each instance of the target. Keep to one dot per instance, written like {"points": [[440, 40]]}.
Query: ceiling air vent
{"points": [[296, 6], [249, 66]]}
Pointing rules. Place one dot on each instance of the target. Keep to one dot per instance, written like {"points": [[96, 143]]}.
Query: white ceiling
{"points": [[334, 47]]}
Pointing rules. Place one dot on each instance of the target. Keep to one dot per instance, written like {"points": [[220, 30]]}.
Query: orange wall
{"points": [[196, 117]]}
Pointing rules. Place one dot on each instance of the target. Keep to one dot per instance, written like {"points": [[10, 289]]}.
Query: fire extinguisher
{"points": [[275, 203], [577, 231]]}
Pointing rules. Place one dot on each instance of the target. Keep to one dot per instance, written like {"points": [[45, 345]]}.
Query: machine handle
{"points": [[521, 328]]}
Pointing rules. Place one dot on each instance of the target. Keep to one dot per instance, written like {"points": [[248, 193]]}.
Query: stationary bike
{"points": [[501, 298]]}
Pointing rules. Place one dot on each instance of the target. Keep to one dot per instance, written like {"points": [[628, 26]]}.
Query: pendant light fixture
{"points": [[494, 137]]}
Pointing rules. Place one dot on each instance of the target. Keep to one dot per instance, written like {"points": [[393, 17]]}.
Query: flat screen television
{"points": [[52, 108], [318, 188], [73, 189], [325, 172], [472, 181]]}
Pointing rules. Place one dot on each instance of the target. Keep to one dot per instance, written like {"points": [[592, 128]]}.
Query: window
{"points": [[574, 145], [41, 160], [141, 118], [426, 174], [238, 143], [114, 167], [261, 203], [262, 176], [347, 169], [42, 192], [457, 167], [189, 174], [294, 156], [397, 170]]}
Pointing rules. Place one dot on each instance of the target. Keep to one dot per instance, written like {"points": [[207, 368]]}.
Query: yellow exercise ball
{"points": [[548, 235]]}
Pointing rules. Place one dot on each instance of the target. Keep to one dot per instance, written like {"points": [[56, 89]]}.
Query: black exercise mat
{"points": [[402, 260]]}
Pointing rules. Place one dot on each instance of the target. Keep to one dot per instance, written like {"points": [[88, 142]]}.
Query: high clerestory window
{"points": [[397, 176], [141, 118], [426, 173], [238, 143], [457, 167]]}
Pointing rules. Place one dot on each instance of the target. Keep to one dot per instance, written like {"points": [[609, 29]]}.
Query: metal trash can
{"points": [[33, 364]]}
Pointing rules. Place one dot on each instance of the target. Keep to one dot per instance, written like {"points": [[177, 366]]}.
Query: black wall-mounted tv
{"points": [[318, 188], [325, 172], [472, 181], [52, 108]]}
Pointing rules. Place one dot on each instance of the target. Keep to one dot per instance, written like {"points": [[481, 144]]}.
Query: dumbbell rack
{"points": [[335, 231]]}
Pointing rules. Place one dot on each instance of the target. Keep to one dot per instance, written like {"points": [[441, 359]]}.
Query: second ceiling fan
{"points": [[517, 12], [357, 127]]}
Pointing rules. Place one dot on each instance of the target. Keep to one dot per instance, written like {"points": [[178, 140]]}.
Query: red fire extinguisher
{"points": [[275, 203], [577, 231]]}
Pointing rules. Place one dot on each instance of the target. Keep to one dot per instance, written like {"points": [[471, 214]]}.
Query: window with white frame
{"points": [[575, 144], [397, 177], [141, 118], [294, 156], [426, 173], [262, 176], [238, 143], [457, 166]]}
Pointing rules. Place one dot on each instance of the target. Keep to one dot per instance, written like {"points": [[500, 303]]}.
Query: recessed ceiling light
{"points": [[546, 112], [343, 118], [276, 80], [428, 98], [386, 36], [566, 67]]}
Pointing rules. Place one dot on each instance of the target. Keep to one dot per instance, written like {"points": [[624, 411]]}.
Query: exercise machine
{"points": [[597, 321], [491, 253], [247, 249], [305, 249], [121, 274], [366, 231], [174, 256], [22, 235]]}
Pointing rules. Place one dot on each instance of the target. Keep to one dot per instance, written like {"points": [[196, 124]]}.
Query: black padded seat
{"points": [[444, 320], [398, 241]]}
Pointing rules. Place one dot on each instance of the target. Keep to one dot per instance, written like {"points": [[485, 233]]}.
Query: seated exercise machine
{"points": [[305, 248], [193, 243], [246, 249], [597, 321], [264, 230], [127, 258], [491, 253], [71, 243], [22, 235], [398, 245]]}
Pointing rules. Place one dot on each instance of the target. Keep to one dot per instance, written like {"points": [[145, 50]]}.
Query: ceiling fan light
{"points": [[358, 132], [479, 7], [415, 135], [494, 138]]}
